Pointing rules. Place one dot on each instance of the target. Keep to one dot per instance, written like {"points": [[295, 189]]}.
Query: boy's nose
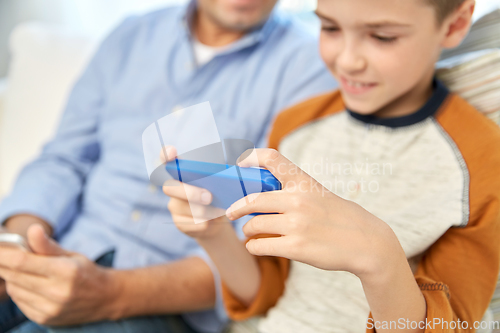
{"points": [[350, 60]]}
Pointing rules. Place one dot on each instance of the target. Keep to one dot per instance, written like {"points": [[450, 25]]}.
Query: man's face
{"points": [[237, 15], [378, 50]]}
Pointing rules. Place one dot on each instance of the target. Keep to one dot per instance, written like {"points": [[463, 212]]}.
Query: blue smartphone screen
{"points": [[227, 183]]}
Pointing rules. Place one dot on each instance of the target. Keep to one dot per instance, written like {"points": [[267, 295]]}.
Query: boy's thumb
{"points": [[41, 243]]}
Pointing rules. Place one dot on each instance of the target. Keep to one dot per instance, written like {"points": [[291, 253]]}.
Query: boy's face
{"points": [[382, 52]]}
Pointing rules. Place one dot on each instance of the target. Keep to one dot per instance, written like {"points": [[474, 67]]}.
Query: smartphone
{"points": [[227, 183], [14, 240]]}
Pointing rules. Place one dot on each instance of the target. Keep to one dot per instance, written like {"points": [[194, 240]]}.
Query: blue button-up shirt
{"points": [[90, 181]]}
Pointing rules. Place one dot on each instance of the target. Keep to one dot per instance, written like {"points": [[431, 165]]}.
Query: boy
{"points": [[400, 242]]}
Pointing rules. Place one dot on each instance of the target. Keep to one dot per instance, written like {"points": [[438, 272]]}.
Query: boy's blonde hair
{"points": [[444, 7]]}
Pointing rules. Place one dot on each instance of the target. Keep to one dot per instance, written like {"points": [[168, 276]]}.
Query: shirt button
{"points": [[136, 215], [152, 188]]}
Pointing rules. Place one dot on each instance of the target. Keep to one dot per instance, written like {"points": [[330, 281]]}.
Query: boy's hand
{"points": [[317, 227], [237, 268], [190, 204]]}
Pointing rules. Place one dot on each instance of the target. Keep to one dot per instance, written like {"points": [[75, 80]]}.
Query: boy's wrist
{"points": [[223, 232], [386, 260]]}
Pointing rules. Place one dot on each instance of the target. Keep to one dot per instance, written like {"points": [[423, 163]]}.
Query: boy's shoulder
{"points": [[303, 113], [477, 141], [469, 128]]}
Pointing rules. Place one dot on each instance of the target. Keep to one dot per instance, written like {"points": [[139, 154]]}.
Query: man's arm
{"points": [[144, 291], [57, 288], [132, 293], [50, 187], [47, 190]]}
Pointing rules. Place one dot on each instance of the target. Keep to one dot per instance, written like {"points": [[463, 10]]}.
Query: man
{"points": [[89, 189]]}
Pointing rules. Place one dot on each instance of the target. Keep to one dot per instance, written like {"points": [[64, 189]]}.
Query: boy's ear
{"points": [[458, 24]]}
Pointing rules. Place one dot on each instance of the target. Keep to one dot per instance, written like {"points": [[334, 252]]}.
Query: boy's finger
{"points": [[188, 193], [281, 167], [168, 153], [179, 207], [187, 225], [273, 224], [184, 208], [272, 246], [266, 202]]}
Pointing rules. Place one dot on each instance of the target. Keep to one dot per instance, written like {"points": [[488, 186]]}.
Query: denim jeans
{"points": [[12, 319]]}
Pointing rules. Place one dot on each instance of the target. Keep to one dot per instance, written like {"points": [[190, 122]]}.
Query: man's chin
{"points": [[240, 25], [241, 21]]}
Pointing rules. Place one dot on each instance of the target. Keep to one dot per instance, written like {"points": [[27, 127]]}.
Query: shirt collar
{"points": [[253, 37], [429, 109]]}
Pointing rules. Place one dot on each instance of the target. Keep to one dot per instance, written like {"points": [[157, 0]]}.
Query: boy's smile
{"points": [[355, 87], [382, 52]]}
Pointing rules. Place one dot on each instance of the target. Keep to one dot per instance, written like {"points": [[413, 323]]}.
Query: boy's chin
{"points": [[362, 108]]}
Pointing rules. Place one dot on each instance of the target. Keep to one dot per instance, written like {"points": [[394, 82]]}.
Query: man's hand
{"points": [[19, 224], [54, 287], [3, 291]]}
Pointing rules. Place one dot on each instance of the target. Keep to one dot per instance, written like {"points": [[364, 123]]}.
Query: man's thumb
{"points": [[40, 243]]}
